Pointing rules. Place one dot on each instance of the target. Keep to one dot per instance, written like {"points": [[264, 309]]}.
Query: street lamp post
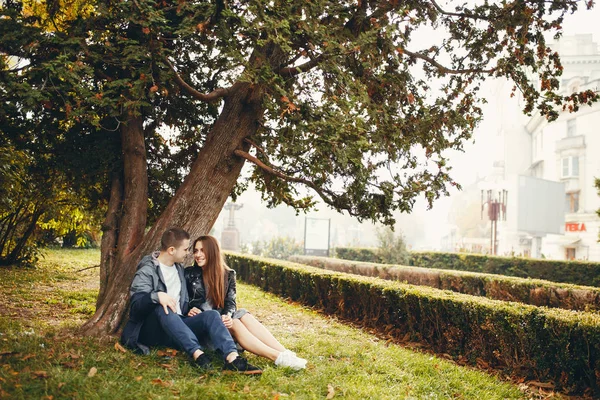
{"points": [[496, 208]]}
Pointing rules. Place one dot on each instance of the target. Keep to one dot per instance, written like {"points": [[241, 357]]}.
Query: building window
{"points": [[570, 166], [572, 202], [570, 253], [571, 127]]}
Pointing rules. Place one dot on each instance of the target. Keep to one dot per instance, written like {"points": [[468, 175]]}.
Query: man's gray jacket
{"points": [[146, 284]]}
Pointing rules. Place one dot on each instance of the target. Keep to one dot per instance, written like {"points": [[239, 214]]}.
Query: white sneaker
{"points": [[288, 359]]}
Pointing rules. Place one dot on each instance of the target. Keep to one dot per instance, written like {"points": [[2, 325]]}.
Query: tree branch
{"points": [[462, 15], [257, 147], [212, 96], [326, 195], [293, 71], [444, 69]]}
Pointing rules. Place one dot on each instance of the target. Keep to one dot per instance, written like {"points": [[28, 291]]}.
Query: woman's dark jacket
{"points": [[197, 290]]}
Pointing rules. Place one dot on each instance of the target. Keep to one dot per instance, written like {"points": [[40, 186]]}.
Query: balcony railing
{"points": [[572, 142]]}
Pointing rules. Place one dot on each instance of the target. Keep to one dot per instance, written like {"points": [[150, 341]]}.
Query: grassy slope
{"points": [[42, 356]]}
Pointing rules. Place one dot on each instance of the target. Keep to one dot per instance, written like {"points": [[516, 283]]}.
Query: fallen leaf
{"points": [[60, 385], [138, 378], [330, 391], [482, 364], [246, 389], [544, 385], [27, 357], [48, 397], [160, 382], [40, 374], [120, 348], [70, 365], [92, 372], [167, 353], [167, 366]]}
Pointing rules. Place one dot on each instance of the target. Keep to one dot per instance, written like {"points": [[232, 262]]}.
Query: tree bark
{"points": [[195, 206], [110, 229], [125, 220]]}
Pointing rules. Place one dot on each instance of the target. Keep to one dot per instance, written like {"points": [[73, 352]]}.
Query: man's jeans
{"points": [[182, 333]]}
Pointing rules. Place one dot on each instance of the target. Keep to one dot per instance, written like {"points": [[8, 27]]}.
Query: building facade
{"points": [[567, 150], [564, 151]]}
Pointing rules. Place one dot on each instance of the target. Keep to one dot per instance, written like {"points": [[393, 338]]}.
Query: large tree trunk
{"points": [[195, 206]]}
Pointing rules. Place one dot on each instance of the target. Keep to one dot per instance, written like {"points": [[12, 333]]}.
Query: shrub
{"points": [[576, 272], [529, 291], [532, 342], [279, 247]]}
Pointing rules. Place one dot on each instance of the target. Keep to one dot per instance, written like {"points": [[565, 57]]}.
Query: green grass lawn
{"points": [[41, 355]]}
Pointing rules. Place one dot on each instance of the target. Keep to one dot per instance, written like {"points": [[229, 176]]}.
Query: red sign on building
{"points": [[575, 227]]}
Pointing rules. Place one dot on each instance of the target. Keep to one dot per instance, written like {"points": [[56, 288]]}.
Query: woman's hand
{"points": [[227, 321], [194, 311]]}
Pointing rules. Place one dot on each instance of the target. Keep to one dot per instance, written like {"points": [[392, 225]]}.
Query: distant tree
{"points": [[34, 198], [278, 247], [392, 247], [334, 96]]}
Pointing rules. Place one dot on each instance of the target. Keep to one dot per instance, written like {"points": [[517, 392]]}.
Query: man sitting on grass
{"points": [[159, 314]]}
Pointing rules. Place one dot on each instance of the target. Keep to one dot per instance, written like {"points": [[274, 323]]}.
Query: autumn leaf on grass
{"points": [[167, 353], [27, 357], [138, 378], [160, 382], [330, 391], [40, 374], [246, 389], [167, 366], [120, 348], [92, 372]]}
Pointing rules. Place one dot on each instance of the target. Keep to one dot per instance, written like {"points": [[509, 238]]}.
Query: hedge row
{"points": [[529, 291], [366, 254], [575, 272], [533, 342]]}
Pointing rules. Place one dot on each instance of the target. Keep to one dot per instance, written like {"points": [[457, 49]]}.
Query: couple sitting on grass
{"points": [[194, 308]]}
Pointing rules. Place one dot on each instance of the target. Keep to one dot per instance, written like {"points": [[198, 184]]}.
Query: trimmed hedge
{"points": [[529, 291], [576, 272], [533, 342], [358, 254]]}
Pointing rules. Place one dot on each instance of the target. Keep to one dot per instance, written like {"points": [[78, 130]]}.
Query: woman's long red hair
{"points": [[213, 272]]}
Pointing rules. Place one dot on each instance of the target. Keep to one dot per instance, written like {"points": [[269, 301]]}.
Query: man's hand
{"points": [[194, 311], [227, 321], [167, 302]]}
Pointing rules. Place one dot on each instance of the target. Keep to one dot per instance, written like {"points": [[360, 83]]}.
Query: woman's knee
{"points": [[235, 325]]}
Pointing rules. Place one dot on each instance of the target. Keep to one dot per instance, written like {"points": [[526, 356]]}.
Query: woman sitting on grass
{"points": [[212, 286]]}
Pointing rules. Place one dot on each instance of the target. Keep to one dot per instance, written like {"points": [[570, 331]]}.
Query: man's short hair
{"points": [[173, 238]]}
